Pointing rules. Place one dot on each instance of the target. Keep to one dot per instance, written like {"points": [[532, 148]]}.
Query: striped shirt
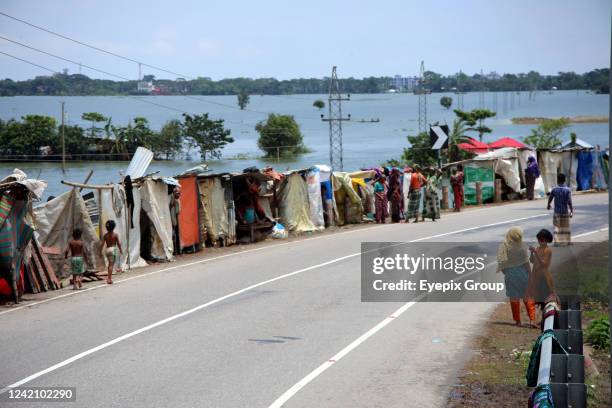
{"points": [[563, 199]]}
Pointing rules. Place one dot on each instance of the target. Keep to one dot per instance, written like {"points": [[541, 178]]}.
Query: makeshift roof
{"points": [[579, 143], [507, 142], [474, 146], [503, 153]]}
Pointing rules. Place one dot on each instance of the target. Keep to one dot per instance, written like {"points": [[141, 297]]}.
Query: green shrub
{"points": [[598, 333]]}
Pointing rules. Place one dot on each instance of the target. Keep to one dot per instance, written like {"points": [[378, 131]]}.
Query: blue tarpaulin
{"points": [[585, 170]]}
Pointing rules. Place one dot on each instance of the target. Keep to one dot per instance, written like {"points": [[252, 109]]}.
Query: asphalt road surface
{"points": [[264, 325]]}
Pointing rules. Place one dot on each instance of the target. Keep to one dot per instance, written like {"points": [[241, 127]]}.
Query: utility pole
{"points": [[335, 120], [63, 143], [422, 92], [139, 71], [481, 98]]}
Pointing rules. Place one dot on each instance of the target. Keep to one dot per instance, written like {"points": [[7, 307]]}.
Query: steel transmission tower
{"points": [[422, 92], [335, 120]]}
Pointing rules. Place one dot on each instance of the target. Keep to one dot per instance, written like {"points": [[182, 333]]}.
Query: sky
{"points": [[292, 39]]}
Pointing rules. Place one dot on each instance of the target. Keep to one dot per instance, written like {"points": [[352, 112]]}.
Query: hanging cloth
{"points": [[534, 360]]}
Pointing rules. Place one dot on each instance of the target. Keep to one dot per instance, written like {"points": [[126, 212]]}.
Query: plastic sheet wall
{"points": [[156, 204], [313, 182], [478, 171], [189, 230], [293, 204]]}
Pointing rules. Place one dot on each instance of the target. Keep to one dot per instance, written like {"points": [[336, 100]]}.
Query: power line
{"points": [[65, 37]]}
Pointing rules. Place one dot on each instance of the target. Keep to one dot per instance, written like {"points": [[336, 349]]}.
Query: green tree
{"points": [[74, 137], [446, 101], [171, 139], [243, 99], [318, 104], [547, 134], [94, 117], [207, 134], [475, 120], [280, 134], [29, 135], [457, 135], [420, 151]]}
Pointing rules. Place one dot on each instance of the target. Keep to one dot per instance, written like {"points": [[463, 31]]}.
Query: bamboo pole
{"points": [[90, 186]]}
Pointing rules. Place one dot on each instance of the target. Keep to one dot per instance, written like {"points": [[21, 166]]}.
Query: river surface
{"points": [[365, 144]]}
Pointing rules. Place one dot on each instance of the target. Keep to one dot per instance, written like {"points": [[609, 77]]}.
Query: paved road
{"points": [[246, 329]]}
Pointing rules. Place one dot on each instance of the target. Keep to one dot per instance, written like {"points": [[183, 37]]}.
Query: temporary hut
{"points": [[315, 201], [363, 184], [327, 195], [217, 218], [348, 202], [293, 203], [189, 231], [156, 240], [256, 191], [16, 195]]}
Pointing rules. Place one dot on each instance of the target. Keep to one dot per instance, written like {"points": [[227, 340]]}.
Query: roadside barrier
{"points": [[560, 380]]}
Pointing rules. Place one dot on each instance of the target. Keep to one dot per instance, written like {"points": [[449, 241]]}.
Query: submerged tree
{"points": [[446, 101], [318, 104], [207, 134], [546, 134], [243, 99], [280, 135], [420, 151]]}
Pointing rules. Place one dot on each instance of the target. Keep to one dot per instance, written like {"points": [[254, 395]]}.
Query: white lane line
{"points": [[246, 251], [590, 233], [220, 299], [287, 395]]}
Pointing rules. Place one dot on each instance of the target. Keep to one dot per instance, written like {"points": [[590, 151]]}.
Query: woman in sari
{"points": [[431, 207], [380, 200], [395, 195], [457, 184], [513, 262], [532, 172]]}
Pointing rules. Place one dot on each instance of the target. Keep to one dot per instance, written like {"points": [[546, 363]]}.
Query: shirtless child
{"points": [[111, 240], [541, 284], [78, 257]]}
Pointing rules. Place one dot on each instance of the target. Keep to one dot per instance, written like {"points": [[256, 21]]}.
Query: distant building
{"points": [[403, 84], [145, 87], [493, 76]]}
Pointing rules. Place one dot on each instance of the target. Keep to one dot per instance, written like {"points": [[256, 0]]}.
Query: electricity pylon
{"points": [[335, 120], [422, 92]]}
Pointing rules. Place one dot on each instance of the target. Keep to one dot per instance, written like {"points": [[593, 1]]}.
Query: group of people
{"points": [[389, 196]]}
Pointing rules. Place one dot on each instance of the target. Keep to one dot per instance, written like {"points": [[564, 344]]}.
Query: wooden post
{"points": [[498, 190], [444, 197], [479, 192], [63, 143]]}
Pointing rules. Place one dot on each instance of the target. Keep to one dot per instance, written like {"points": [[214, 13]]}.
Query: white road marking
{"points": [[246, 251], [287, 395], [222, 298]]}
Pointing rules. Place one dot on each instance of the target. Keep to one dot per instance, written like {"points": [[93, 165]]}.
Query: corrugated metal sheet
{"points": [[140, 163]]}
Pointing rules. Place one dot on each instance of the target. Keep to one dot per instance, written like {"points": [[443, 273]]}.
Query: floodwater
{"points": [[365, 143]]}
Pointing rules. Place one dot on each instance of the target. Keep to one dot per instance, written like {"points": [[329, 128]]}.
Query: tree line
{"points": [[39, 135], [76, 84]]}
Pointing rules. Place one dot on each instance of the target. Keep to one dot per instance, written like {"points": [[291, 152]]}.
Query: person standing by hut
{"points": [[414, 196], [395, 194], [457, 184], [532, 172], [175, 209], [380, 197], [431, 206], [513, 262], [564, 210]]}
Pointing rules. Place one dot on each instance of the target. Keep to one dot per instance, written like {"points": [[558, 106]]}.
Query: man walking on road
{"points": [[562, 195]]}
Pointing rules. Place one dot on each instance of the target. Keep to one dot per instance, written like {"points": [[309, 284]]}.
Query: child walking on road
{"points": [[78, 257], [541, 282], [111, 240]]}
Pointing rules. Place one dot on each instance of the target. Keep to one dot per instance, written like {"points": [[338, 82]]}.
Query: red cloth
{"points": [[515, 305], [474, 146], [416, 181], [189, 230]]}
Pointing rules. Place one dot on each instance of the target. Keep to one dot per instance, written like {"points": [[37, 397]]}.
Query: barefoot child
{"points": [[111, 240], [541, 281], [77, 258]]}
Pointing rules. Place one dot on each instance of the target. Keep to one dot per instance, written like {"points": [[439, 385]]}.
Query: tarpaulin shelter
{"points": [[473, 146], [217, 220], [189, 231], [56, 220], [330, 213], [16, 195], [259, 191], [478, 171], [293, 204], [506, 164], [363, 185], [155, 203], [348, 202], [315, 201]]}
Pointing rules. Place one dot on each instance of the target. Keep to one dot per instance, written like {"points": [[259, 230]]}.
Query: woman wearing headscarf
{"points": [[532, 172], [513, 262], [395, 194], [431, 206]]}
